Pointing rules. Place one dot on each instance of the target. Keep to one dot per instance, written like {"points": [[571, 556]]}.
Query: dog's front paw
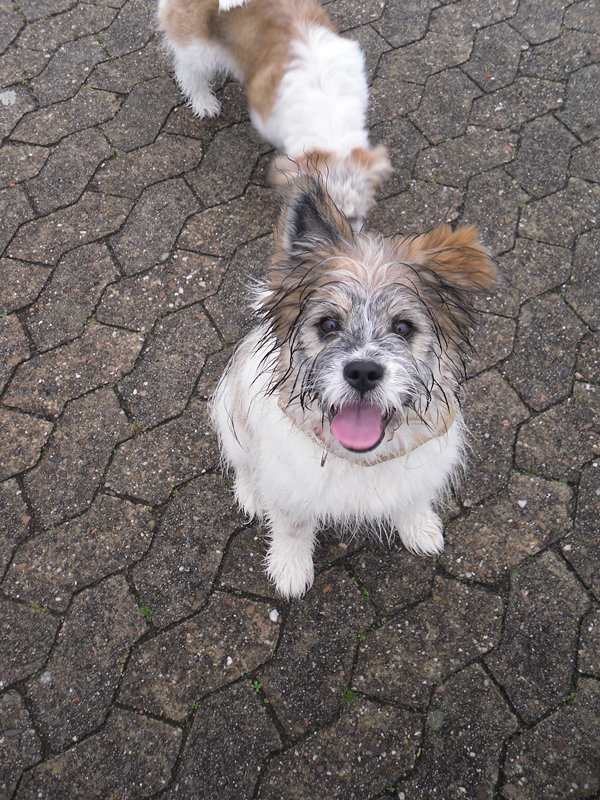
{"points": [[290, 562], [206, 106], [423, 537]]}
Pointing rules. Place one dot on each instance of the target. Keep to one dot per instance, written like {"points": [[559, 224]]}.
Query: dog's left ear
{"points": [[310, 219], [457, 257]]}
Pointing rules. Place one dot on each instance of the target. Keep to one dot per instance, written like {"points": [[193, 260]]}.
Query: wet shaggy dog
{"points": [[307, 89], [340, 407]]}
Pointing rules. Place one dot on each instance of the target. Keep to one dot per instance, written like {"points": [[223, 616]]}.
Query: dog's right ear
{"points": [[310, 219]]}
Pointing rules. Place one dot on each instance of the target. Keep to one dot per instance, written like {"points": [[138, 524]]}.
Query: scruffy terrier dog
{"points": [[306, 87], [340, 407]]}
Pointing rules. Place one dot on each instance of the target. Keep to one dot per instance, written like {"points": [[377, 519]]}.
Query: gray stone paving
{"points": [[143, 653]]}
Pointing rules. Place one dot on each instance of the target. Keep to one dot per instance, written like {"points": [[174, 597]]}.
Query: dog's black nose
{"points": [[363, 375]]}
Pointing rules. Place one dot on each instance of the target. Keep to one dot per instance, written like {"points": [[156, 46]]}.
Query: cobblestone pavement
{"points": [[143, 653]]}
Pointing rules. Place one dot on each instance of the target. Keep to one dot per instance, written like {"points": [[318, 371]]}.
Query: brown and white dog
{"points": [[340, 407], [306, 86]]}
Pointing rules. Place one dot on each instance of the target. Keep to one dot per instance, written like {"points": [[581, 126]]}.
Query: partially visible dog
{"points": [[340, 407], [306, 87]]}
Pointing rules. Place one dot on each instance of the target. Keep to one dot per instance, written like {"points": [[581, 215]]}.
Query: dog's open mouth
{"points": [[359, 427]]}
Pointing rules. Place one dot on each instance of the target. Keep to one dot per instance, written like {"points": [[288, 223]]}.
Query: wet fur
{"points": [[274, 404]]}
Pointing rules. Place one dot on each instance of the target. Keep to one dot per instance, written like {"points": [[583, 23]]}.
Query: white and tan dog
{"points": [[340, 407], [306, 87]]}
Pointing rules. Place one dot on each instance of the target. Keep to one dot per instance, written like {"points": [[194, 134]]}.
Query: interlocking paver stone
{"points": [[176, 576], [231, 735], [454, 162], [404, 141], [583, 95], [90, 219], [524, 100], [142, 115], [358, 756], [531, 514], [558, 58], [403, 23], [539, 20], [588, 361], [68, 170], [21, 440], [227, 308], [15, 104], [14, 520], [416, 62], [70, 296], [583, 292], [141, 753], [122, 74], [182, 280], [457, 18], [20, 746], [50, 32], [100, 356], [466, 724], [585, 161], [404, 658], [169, 673], [27, 636], [14, 209], [132, 28], [588, 659], [244, 565], [536, 658], [528, 270], [560, 441], [219, 230], [422, 206], [19, 284], [19, 162], [152, 464], [495, 58], [72, 695], [538, 171], [153, 225], [494, 187], [10, 24], [132, 172], [48, 125], [306, 680], [164, 377], [582, 549], [67, 70], [546, 349], [492, 342], [559, 218], [14, 347], [394, 578], [110, 536], [492, 412], [561, 754], [67, 476], [440, 116]]}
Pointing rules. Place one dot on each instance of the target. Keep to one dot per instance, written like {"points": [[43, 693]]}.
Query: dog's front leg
{"points": [[290, 556], [421, 533]]}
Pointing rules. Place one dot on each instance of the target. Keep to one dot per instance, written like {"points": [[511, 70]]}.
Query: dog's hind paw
{"points": [[424, 537]]}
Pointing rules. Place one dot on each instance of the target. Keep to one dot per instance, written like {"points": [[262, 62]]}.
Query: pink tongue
{"points": [[358, 427]]}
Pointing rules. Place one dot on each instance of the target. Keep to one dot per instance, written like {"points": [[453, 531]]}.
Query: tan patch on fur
{"points": [[458, 257], [257, 36]]}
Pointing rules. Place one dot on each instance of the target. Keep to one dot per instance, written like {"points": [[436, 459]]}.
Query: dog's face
{"points": [[367, 329], [351, 181]]}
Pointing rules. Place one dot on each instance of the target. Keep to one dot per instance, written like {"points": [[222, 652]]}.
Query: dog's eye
{"points": [[329, 325], [403, 328]]}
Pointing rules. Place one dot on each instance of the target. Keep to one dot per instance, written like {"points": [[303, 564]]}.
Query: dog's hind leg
{"points": [[290, 555], [195, 67]]}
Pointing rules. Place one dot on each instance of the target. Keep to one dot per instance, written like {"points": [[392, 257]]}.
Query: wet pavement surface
{"points": [[142, 651]]}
